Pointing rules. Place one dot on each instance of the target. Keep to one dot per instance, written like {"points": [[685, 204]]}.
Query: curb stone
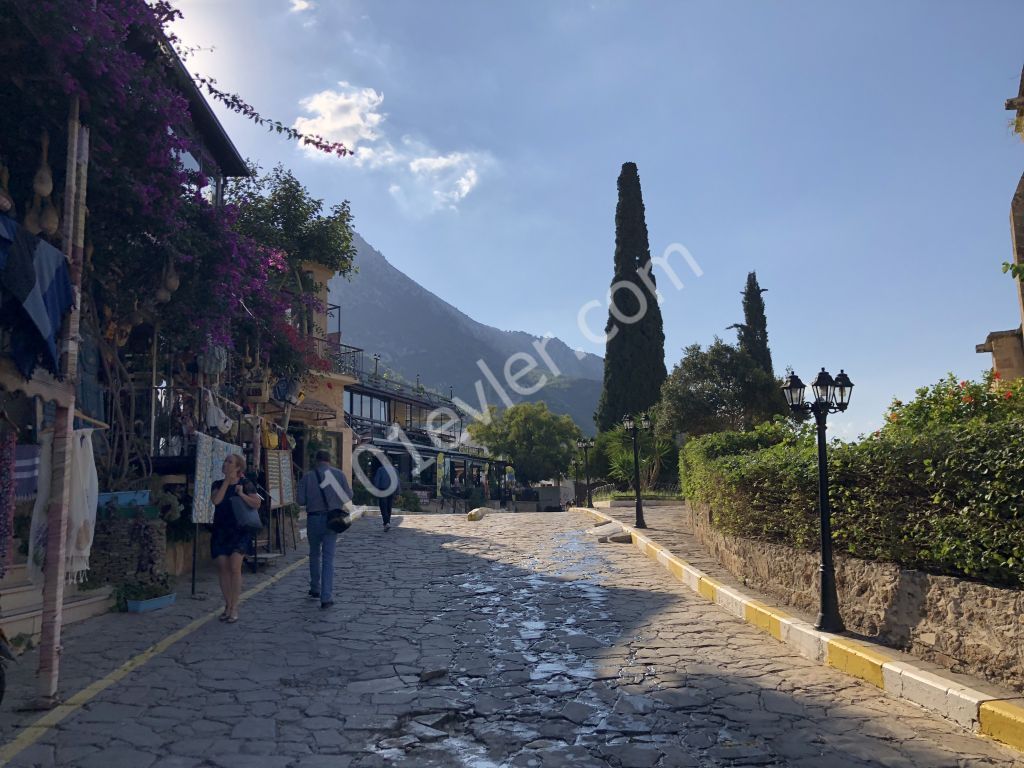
{"points": [[970, 703]]}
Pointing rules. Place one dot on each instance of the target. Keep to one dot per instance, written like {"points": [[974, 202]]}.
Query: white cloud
{"points": [[349, 115], [298, 6], [424, 180]]}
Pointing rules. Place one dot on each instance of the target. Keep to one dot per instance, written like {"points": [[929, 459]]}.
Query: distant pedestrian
{"points": [[228, 542], [385, 480], [323, 490]]}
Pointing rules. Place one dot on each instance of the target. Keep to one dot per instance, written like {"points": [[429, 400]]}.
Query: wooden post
{"points": [[57, 513]]}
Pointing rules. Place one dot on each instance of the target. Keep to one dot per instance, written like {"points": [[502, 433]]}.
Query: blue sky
{"points": [[857, 156]]}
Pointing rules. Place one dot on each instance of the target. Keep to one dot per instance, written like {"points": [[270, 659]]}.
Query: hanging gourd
{"points": [[49, 219], [6, 201], [172, 282], [32, 217], [42, 184]]}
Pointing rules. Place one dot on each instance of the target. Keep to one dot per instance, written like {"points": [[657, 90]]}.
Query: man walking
{"points": [[385, 480], [320, 491]]}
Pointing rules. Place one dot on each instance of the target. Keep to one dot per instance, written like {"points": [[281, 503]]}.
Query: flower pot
{"points": [[152, 604]]}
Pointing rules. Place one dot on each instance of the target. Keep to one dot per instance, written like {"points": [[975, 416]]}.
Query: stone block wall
{"points": [[961, 625], [115, 554]]}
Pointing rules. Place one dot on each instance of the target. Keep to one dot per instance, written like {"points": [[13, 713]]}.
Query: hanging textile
{"points": [[35, 275], [26, 472], [7, 484], [85, 488], [215, 417], [37, 533], [210, 455]]}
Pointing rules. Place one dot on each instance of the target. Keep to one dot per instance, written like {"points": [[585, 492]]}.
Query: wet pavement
{"points": [[514, 641]]}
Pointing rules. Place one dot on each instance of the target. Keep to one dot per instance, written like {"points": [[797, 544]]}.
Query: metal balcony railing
{"points": [[342, 358]]}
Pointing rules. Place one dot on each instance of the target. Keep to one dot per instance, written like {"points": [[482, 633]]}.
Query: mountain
{"points": [[415, 332]]}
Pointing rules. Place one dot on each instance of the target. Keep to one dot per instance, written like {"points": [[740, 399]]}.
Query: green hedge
{"points": [[944, 495]]}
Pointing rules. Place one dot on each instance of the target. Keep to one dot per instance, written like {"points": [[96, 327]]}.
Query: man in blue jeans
{"points": [[321, 490]]}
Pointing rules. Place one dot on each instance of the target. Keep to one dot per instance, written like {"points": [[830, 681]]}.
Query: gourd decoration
{"points": [[171, 281], [6, 201], [32, 223], [49, 219], [42, 184]]}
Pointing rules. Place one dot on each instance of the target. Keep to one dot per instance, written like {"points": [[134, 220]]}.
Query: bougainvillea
{"points": [[148, 214]]}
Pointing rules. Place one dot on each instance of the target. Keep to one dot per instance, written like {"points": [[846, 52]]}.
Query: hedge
{"points": [[948, 498]]}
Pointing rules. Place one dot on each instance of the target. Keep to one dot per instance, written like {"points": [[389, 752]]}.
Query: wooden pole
{"points": [[57, 513]]}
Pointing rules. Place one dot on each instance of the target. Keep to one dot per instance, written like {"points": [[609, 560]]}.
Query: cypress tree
{"points": [[753, 331], [634, 362]]}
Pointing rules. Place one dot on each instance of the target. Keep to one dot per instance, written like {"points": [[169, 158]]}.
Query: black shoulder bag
{"points": [[337, 519]]}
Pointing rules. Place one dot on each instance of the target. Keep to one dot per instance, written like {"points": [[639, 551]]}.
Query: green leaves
{"points": [[539, 443], [948, 498]]}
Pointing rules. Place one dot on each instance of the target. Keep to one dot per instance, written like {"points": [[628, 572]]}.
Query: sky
{"points": [[857, 156]]}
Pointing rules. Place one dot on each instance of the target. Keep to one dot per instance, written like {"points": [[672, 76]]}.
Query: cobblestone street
{"points": [[518, 641]]}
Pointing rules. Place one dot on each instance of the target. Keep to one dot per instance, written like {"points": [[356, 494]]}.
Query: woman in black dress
{"points": [[229, 543]]}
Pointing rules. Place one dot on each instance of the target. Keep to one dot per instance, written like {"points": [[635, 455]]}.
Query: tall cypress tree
{"points": [[753, 331], [634, 361]]}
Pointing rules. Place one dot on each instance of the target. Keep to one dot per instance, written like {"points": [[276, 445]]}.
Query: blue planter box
{"points": [[124, 498], [153, 604]]}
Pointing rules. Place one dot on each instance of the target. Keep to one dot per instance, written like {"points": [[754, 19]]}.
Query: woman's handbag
{"points": [[338, 520], [247, 518]]}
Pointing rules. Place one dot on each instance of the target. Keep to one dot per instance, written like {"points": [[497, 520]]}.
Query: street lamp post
{"points": [[585, 444], [576, 484], [632, 426], [830, 396]]}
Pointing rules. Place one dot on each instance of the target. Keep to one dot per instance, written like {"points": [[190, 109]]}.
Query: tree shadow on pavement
{"points": [[514, 641]]}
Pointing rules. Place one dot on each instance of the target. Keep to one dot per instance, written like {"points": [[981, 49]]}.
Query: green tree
{"points": [[753, 331], [720, 388], [656, 451], [634, 363], [277, 211], [538, 442]]}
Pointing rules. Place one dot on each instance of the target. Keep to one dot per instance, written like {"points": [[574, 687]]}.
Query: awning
{"points": [[309, 409]]}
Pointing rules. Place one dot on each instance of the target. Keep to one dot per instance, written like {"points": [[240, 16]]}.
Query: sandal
{"points": [[231, 620]]}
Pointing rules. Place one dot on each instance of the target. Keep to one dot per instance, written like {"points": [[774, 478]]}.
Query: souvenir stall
{"points": [[42, 455]]}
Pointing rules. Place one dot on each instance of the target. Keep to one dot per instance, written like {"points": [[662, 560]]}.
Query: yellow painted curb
{"points": [[857, 659], [1003, 721], [766, 618], [708, 588]]}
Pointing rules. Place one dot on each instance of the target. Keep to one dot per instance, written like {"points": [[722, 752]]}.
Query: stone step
{"points": [[77, 606], [17, 573], [17, 596]]}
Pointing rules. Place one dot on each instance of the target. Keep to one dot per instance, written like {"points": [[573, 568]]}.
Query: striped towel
{"points": [[26, 472]]}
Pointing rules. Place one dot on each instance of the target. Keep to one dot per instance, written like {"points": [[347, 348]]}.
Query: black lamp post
{"points": [[585, 444], [376, 362], [576, 485], [632, 426], [830, 396]]}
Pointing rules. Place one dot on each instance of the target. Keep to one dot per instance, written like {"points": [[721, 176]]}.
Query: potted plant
{"points": [[141, 595]]}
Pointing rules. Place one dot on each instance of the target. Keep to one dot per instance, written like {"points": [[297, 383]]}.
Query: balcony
{"points": [[371, 429], [342, 359]]}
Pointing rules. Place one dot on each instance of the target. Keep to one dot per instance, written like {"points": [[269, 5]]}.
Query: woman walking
{"points": [[229, 543]]}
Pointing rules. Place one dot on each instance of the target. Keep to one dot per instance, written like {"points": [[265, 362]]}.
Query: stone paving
{"points": [[514, 641]]}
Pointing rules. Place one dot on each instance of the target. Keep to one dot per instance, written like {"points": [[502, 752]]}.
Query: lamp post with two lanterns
{"points": [[830, 396], [585, 444], [632, 426]]}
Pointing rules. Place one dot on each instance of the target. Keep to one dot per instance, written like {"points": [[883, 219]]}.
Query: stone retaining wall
{"points": [[960, 625]]}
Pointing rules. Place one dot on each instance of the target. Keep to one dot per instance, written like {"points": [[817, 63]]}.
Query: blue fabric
{"points": [[322, 545], [36, 276]]}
